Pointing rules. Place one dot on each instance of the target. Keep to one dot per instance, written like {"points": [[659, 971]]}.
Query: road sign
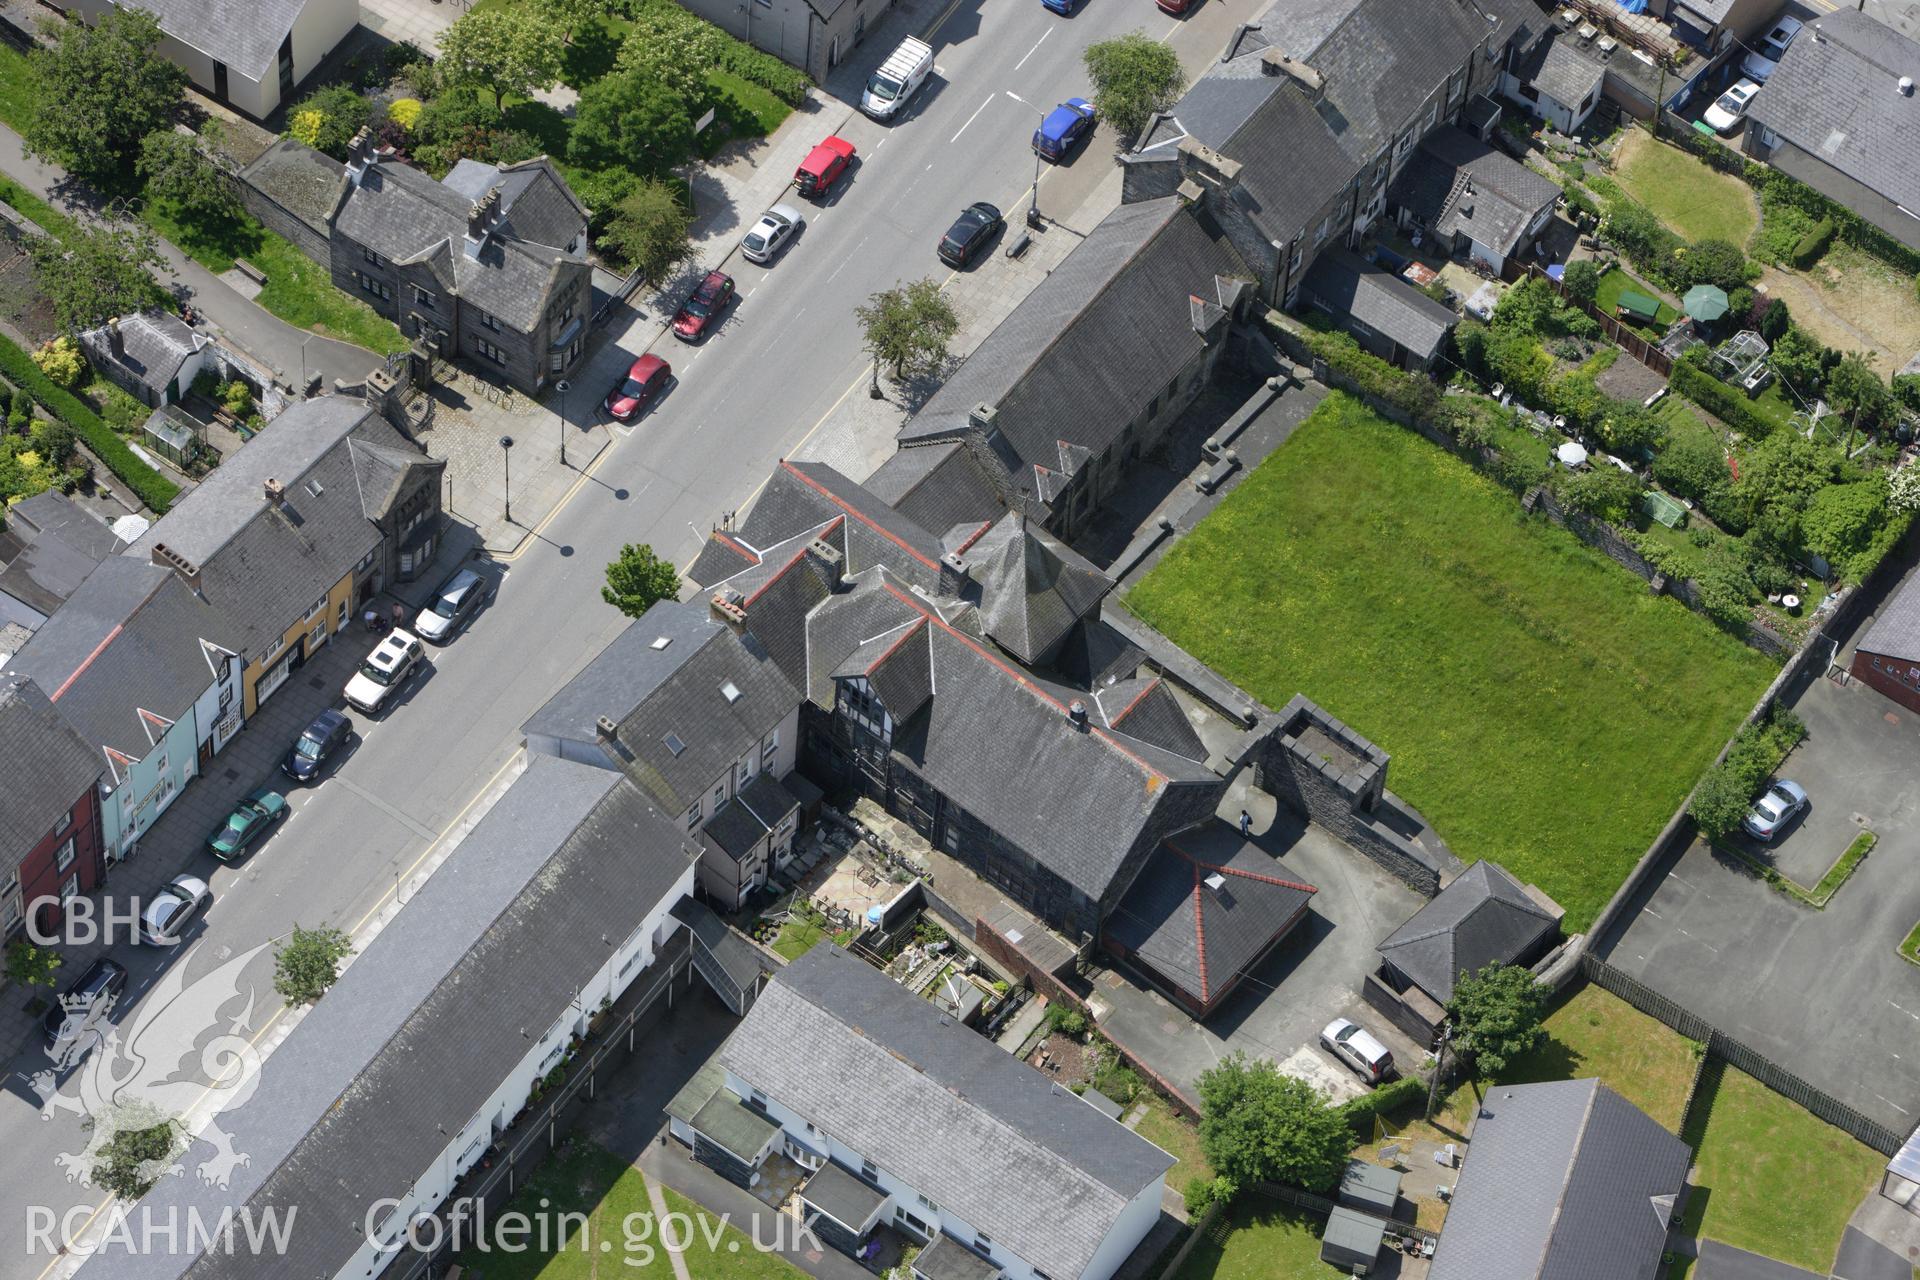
{"points": [[700, 125]]}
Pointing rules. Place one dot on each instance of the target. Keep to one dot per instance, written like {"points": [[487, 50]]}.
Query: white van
{"points": [[898, 79]]}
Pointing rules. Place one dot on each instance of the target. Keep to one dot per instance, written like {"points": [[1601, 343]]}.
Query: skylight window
{"points": [[730, 691], [674, 744]]}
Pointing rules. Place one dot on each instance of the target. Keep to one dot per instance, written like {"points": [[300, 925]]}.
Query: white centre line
{"points": [[1036, 45], [970, 119], [881, 143]]}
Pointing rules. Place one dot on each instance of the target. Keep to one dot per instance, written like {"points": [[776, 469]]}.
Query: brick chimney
{"points": [[725, 608], [115, 343], [167, 558], [276, 492], [481, 220], [1275, 63]]}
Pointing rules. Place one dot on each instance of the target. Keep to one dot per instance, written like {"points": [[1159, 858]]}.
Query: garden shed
{"points": [[1370, 1187], [1633, 305], [1742, 360], [1352, 1240]]}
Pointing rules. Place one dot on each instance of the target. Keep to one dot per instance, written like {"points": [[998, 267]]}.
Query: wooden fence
{"points": [[1647, 353]]}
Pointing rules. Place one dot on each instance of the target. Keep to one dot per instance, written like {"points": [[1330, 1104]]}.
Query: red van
{"points": [[822, 168]]}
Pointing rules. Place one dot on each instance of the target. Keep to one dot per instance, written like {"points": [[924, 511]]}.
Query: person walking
{"points": [[1246, 824]]}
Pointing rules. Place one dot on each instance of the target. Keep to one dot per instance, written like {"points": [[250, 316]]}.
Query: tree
{"points": [[96, 272], [650, 230], [327, 119], [1605, 492], [60, 360], [674, 49], [1715, 262], [1719, 803], [1497, 1015], [1856, 390], [1582, 279], [1841, 520], [506, 50], [1781, 477], [178, 174], [907, 328], [629, 120], [1628, 426], [138, 1153], [31, 966], [638, 580], [100, 90], [307, 963], [1775, 320], [1133, 76], [571, 15], [1257, 1125], [1800, 361], [1903, 489]]}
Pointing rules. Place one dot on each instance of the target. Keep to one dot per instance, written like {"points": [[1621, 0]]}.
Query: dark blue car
{"points": [[1064, 126], [1064, 8], [322, 740]]}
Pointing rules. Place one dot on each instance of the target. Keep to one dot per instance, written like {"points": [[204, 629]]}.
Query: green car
{"points": [[250, 820]]}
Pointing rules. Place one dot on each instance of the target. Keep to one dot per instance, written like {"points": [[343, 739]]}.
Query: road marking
{"points": [[1890, 1102], [970, 119], [849, 258], [1672, 876], [1655, 914], [1910, 1013], [1036, 48], [881, 143], [940, 21]]}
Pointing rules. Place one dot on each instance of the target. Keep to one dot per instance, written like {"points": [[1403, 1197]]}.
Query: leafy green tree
{"points": [[31, 966], [142, 1148], [1497, 1015], [1800, 360], [177, 173], [650, 230], [629, 120], [1604, 492], [1627, 427], [1719, 804], [1715, 262], [675, 50], [1582, 279], [307, 963], [1775, 320], [327, 119], [568, 16], [1903, 489], [507, 50], [1856, 390], [638, 580], [99, 91], [1257, 1125], [96, 272], [908, 329], [1133, 76], [1781, 477], [1841, 520]]}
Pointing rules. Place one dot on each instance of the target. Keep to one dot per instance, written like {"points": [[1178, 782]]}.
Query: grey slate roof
{"points": [[1484, 916], [1567, 1181], [1835, 97], [378, 1074], [244, 34], [1895, 632], [1557, 68], [1457, 184], [942, 1108], [60, 545], [1034, 588], [1348, 287], [47, 767], [625, 673], [749, 816], [129, 640], [153, 346], [841, 1195], [805, 497], [938, 486], [1196, 935], [1148, 710], [264, 566], [1083, 353], [536, 201]]}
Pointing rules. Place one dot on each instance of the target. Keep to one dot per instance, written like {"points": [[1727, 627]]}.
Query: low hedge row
{"points": [[1359, 1112], [1722, 401], [1813, 245], [786, 83], [148, 485]]}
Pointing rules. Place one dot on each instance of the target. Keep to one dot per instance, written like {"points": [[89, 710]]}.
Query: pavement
{"points": [[1881, 1242], [1724, 1262]]}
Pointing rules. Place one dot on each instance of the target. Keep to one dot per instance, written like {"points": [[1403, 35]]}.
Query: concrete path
{"points": [[659, 1203]]}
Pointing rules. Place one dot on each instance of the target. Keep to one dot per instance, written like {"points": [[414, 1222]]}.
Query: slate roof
{"points": [[266, 565], [1557, 68], [804, 498], [1198, 935], [943, 1109], [1457, 184], [405, 216], [938, 485], [1348, 287], [1034, 589], [244, 34], [1566, 1180], [129, 640], [153, 346], [60, 545], [1895, 632], [48, 767], [304, 181], [625, 673], [1083, 353], [1835, 97], [538, 205], [745, 820], [379, 1074], [1484, 916], [1146, 708]]}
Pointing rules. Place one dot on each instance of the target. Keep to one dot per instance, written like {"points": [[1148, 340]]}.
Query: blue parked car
{"points": [[1064, 126], [1064, 8]]}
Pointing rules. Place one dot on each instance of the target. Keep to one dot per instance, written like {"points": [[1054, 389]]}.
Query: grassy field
{"points": [[1595, 1033], [1769, 1177], [1177, 1137], [1265, 1240], [1518, 678], [1697, 201]]}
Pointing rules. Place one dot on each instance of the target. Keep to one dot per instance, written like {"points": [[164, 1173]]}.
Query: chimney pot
{"points": [[1077, 712], [1906, 86], [606, 730], [725, 608], [276, 492]]}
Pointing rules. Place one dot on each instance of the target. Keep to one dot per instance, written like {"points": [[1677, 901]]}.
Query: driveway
{"points": [[1856, 779], [1724, 1262], [1313, 977]]}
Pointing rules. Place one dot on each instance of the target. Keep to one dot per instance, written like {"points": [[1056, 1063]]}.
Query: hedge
{"points": [[1813, 245], [786, 83], [148, 485], [1717, 398], [1360, 1111]]}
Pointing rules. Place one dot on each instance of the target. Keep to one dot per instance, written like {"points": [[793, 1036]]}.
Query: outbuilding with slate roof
{"points": [[1887, 657], [1463, 193]]}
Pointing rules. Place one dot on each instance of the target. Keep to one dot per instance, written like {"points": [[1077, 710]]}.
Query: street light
{"points": [[1033, 209], [563, 387], [506, 456]]}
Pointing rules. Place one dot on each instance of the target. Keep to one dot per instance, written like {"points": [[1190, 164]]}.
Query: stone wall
{"points": [[722, 1162]]}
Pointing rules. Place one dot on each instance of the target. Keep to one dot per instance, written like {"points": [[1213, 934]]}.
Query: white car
{"points": [[391, 664], [1356, 1046], [453, 605], [178, 904], [1730, 108], [1765, 53], [770, 235]]}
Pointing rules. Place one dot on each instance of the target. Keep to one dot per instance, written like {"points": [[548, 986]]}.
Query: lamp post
{"points": [[1033, 209], [563, 386], [506, 457]]}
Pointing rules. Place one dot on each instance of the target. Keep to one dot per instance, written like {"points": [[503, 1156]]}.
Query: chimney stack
{"points": [[725, 607], [953, 574], [826, 559], [360, 155], [1275, 63], [605, 731], [276, 492], [115, 343], [481, 220], [1906, 86], [167, 558], [1077, 713]]}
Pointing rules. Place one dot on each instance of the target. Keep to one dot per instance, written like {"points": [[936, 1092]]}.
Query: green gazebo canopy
{"points": [[1705, 302]]}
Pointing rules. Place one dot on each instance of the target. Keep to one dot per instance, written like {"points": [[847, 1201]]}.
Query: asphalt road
{"points": [[787, 354]]}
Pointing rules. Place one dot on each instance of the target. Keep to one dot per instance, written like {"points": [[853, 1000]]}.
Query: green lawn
{"points": [[1541, 707], [1176, 1136], [116, 408], [1769, 1177], [732, 1256], [805, 929], [1264, 1240], [1616, 282], [1688, 195], [1596, 1033], [18, 92]]}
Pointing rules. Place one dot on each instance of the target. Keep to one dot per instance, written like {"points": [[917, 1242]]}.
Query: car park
{"points": [[394, 661], [452, 606], [646, 378], [1778, 805], [172, 910], [250, 820], [318, 743], [1765, 53], [971, 232], [1358, 1048], [701, 311], [1730, 108], [1063, 128], [897, 79], [770, 235], [825, 165], [82, 1008]]}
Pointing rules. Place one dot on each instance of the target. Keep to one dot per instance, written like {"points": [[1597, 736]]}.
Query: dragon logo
{"points": [[144, 1073]]}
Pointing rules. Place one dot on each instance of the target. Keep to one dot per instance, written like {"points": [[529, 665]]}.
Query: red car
{"points": [[644, 381], [1175, 8], [703, 306], [823, 167]]}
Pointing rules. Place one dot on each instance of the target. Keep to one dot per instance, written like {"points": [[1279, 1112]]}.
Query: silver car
{"points": [[454, 603], [177, 905], [770, 235], [1776, 807], [1356, 1046]]}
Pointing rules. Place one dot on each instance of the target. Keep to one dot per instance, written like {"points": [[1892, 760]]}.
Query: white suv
{"points": [[392, 663]]}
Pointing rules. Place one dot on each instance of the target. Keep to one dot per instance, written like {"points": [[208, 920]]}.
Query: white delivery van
{"points": [[898, 79]]}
